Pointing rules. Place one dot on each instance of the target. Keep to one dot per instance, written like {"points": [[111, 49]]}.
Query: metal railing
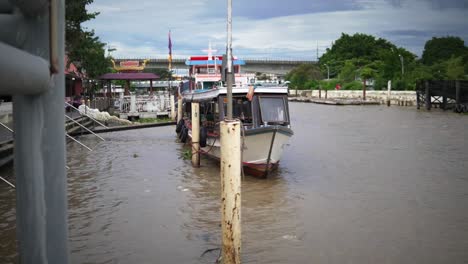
{"points": [[146, 103]]}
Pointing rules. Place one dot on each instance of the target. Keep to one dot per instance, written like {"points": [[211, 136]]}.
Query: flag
{"points": [[170, 51]]}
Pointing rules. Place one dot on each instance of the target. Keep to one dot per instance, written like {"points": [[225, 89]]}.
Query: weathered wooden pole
{"points": [[444, 96], [364, 90], [320, 92], [196, 134], [428, 96], [179, 108], [389, 90], [173, 115], [457, 92], [231, 191]]}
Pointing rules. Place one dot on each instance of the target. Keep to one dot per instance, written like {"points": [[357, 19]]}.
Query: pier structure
{"points": [[445, 94]]}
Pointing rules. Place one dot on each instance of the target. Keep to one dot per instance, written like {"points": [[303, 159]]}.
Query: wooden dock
{"points": [[445, 94]]}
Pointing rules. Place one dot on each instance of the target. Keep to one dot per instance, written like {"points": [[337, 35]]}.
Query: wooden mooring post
{"points": [[428, 102], [179, 108], [389, 89], [196, 135], [173, 115], [231, 191]]}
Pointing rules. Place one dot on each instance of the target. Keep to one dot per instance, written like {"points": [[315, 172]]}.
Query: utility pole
{"points": [[229, 61], [402, 65], [317, 58], [328, 71], [231, 159]]}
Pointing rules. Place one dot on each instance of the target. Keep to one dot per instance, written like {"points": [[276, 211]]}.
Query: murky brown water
{"points": [[356, 185]]}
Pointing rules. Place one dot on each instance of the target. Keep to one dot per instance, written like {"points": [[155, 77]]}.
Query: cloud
{"points": [[290, 29]]}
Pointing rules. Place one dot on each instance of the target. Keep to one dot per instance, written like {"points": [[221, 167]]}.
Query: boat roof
{"points": [[209, 94]]}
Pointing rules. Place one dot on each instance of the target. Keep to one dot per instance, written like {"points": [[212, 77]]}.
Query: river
{"points": [[356, 185]]}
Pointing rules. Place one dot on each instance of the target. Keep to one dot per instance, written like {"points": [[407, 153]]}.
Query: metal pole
{"points": [[87, 129], [231, 191], [5, 126], [196, 135], [41, 196], [402, 65], [7, 182], [229, 61], [328, 72], [81, 144]]}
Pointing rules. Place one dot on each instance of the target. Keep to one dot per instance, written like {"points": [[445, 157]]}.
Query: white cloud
{"points": [[139, 28]]}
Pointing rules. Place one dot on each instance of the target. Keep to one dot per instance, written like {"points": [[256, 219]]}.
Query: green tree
{"points": [[82, 46], [455, 69], [301, 76], [442, 49], [348, 72]]}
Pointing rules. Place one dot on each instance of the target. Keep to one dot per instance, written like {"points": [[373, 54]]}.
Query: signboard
{"points": [[129, 63]]}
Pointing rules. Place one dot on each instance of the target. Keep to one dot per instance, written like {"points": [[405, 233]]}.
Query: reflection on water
{"points": [[356, 185]]}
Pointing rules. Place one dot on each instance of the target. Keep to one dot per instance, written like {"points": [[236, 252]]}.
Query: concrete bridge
{"points": [[263, 65]]}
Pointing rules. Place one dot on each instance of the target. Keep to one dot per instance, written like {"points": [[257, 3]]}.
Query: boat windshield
{"points": [[241, 108], [273, 109]]}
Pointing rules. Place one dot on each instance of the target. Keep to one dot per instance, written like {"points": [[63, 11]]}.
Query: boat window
{"points": [[241, 108], [272, 109]]}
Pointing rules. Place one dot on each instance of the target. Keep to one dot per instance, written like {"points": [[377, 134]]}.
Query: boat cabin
{"points": [[262, 110]]}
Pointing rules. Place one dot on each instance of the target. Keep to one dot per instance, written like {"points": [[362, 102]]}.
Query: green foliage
{"points": [[354, 85], [367, 73], [83, 47], [301, 76], [329, 84], [154, 120], [348, 72], [441, 49], [455, 69]]}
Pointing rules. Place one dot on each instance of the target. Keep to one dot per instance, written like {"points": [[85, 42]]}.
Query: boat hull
{"points": [[261, 149]]}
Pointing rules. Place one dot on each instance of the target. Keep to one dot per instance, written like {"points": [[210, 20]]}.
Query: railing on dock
{"points": [[157, 102]]}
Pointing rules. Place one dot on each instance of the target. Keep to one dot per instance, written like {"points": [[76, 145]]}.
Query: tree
{"points": [[83, 47], [348, 72], [302, 75], [442, 49], [455, 69]]}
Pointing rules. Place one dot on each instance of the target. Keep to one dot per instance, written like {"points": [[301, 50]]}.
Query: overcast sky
{"points": [[270, 28]]}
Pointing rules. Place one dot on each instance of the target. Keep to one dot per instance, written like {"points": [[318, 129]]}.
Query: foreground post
{"points": [[196, 134], [173, 117], [231, 191], [39, 157], [389, 89]]}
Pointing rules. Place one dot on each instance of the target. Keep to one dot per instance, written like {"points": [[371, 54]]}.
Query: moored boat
{"points": [[263, 111]]}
